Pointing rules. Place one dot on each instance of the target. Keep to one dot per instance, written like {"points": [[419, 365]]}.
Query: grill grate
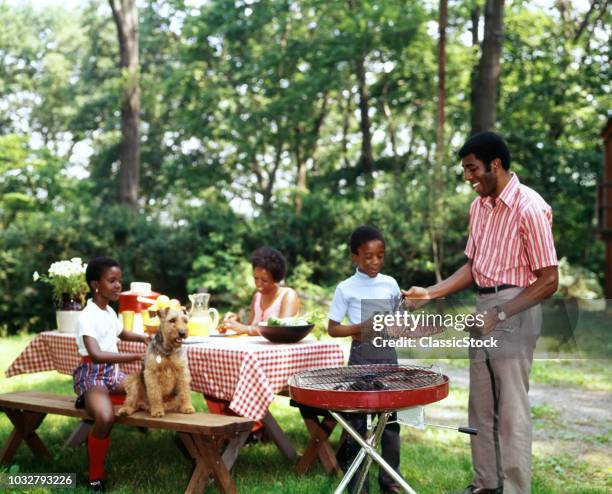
{"points": [[369, 378]]}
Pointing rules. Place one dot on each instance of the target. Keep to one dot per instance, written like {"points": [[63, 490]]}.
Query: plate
{"points": [[226, 335], [193, 340]]}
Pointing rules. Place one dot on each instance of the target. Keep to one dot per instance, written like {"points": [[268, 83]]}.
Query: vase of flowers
{"points": [[69, 288]]}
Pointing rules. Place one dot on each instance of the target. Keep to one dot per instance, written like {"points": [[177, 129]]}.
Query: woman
{"points": [[270, 299]]}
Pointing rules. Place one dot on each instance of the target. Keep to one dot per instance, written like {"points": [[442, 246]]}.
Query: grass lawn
{"points": [[433, 461]]}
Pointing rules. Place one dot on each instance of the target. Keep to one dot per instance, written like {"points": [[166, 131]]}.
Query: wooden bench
{"points": [[203, 434]]}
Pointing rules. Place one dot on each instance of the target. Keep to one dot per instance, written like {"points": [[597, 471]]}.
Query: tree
{"points": [[484, 89], [126, 21], [554, 104], [366, 160], [436, 228]]}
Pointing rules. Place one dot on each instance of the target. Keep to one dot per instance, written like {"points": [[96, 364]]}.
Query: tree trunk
{"points": [[126, 20], [484, 89], [397, 170], [437, 208], [267, 189], [346, 115], [305, 153], [475, 14], [300, 180], [366, 160], [441, 87]]}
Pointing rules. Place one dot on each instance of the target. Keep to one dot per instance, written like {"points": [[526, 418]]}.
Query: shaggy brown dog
{"points": [[163, 384]]}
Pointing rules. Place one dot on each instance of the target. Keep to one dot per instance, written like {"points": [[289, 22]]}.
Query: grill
{"points": [[368, 388], [373, 389]]}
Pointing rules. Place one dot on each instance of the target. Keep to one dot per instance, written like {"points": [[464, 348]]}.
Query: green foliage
{"points": [[577, 282], [554, 104], [314, 299], [222, 271], [251, 136]]}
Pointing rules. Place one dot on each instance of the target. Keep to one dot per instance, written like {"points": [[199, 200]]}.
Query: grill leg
{"points": [[374, 441], [366, 448], [371, 439], [350, 472]]}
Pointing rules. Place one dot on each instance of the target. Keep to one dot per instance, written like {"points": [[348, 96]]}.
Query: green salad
{"points": [[288, 321]]}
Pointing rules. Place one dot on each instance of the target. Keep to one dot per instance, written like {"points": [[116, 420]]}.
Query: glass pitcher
{"points": [[202, 319]]}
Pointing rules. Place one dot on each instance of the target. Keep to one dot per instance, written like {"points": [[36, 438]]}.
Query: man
{"points": [[512, 259]]}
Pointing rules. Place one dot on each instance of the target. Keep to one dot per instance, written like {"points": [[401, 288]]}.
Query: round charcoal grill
{"points": [[378, 390], [368, 388]]}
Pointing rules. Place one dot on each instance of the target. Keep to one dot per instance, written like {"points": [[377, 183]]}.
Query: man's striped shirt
{"points": [[510, 237]]}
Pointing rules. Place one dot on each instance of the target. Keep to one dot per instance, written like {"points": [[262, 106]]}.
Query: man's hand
{"points": [[416, 297], [489, 322]]}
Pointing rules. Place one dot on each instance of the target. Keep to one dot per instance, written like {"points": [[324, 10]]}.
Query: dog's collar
{"points": [[159, 347], [167, 353]]}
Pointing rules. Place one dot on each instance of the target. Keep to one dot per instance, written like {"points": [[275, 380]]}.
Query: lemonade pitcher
{"points": [[203, 319]]}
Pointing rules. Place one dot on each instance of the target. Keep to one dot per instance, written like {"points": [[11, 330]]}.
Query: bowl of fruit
{"points": [[286, 329]]}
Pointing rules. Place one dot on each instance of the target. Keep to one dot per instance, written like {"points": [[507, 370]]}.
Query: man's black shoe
{"points": [[96, 486]]}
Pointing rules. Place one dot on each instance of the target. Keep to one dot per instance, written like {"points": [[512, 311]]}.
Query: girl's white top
{"points": [[103, 325]]}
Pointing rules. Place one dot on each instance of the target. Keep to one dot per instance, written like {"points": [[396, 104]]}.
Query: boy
{"points": [[368, 253]]}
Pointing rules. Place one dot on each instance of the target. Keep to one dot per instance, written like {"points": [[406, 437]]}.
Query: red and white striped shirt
{"points": [[510, 237]]}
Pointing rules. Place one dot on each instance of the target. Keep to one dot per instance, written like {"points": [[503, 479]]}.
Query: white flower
{"points": [[66, 269], [66, 277], [35, 276]]}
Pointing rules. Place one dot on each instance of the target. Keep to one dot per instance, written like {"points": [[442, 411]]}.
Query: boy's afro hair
{"points": [[363, 234]]}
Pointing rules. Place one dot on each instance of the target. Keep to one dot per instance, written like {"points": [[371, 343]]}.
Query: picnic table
{"points": [[247, 372]]}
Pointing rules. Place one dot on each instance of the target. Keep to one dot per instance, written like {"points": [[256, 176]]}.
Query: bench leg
{"points": [[279, 437], [318, 446], [205, 452], [233, 448], [200, 474], [25, 424], [79, 434], [209, 454], [271, 426]]}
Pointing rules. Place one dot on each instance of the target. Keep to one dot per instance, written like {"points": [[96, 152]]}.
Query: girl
{"points": [[270, 299], [98, 380]]}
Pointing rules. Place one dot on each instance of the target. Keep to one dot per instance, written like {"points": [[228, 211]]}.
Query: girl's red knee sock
{"points": [[96, 451]]}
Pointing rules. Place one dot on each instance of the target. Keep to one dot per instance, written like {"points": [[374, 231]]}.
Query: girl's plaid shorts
{"points": [[90, 375]]}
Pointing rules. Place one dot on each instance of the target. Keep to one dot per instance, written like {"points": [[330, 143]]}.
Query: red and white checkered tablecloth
{"points": [[52, 350], [247, 372]]}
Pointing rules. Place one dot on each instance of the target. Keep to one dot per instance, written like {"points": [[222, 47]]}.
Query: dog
{"points": [[163, 383]]}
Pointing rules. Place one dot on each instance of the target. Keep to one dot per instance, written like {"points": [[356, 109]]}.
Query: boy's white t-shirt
{"points": [[381, 292], [103, 325]]}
